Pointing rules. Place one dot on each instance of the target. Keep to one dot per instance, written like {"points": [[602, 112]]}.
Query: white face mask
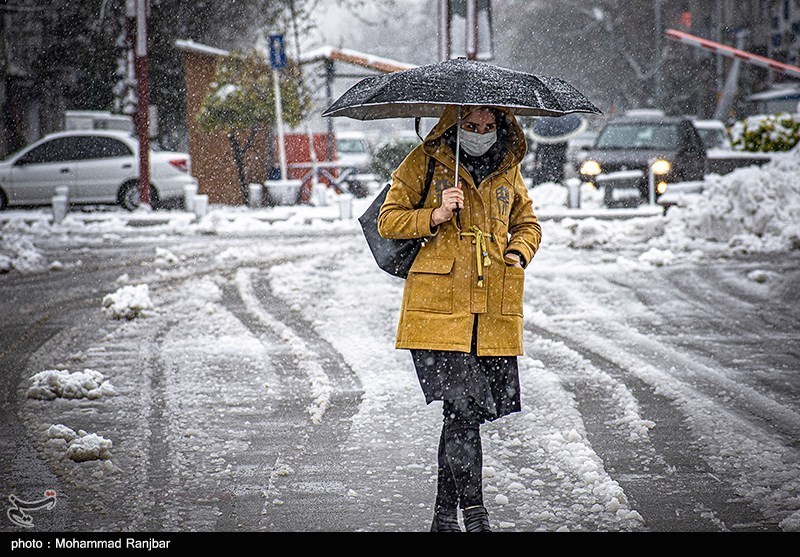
{"points": [[476, 144]]}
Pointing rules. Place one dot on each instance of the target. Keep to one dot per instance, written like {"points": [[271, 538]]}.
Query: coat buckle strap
{"points": [[481, 252]]}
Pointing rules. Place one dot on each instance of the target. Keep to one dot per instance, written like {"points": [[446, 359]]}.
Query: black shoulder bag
{"points": [[393, 256]]}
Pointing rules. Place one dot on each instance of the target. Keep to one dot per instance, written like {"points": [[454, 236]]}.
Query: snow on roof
{"points": [[773, 94], [191, 46], [356, 58]]}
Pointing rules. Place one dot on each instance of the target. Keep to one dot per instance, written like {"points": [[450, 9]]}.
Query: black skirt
{"points": [[491, 381]]}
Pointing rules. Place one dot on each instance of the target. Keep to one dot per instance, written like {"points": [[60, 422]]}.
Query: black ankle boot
{"points": [[445, 520], [476, 519]]}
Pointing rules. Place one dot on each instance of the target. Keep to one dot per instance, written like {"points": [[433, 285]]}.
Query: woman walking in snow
{"points": [[461, 313]]}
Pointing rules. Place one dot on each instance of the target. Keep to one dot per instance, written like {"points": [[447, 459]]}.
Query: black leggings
{"points": [[460, 478]]}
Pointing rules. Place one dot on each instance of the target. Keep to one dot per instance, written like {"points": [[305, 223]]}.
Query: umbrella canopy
{"points": [[558, 130], [425, 91]]}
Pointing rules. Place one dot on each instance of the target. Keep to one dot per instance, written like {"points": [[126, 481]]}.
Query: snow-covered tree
{"points": [[241, 103], [773, 132]]}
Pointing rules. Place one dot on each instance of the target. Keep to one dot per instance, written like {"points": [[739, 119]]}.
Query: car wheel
{"points": [[3, 201], [129, 196]]}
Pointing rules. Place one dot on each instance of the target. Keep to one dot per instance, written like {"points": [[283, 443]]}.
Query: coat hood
{"points": [[516, 144]]}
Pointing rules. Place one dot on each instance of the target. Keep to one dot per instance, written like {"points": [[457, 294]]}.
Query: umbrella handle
{"points": [[458, 153]]}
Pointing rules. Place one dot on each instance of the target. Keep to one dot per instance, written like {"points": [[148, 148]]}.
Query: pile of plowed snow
{"points": [[18, 253], [751, 209], [80, 446], [128, 302], [58, 383]]}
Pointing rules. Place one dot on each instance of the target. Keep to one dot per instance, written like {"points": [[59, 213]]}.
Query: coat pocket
{"points": [[430, 285], [513, 287]]}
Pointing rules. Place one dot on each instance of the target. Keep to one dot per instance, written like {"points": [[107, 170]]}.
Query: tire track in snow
{"points": [[687, 493], [390, 454], [321, 386], [635, 350], [306, 489], [541, 465]]}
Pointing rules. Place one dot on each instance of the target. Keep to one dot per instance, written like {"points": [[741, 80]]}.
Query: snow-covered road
{"points": [[263, 392]]}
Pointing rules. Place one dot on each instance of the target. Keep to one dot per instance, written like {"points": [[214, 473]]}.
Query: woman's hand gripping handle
{"points": [[452, 201]]}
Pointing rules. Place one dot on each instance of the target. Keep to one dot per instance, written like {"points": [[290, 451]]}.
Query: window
{"points": [[56, 150], [639, 136], [712, 138], [97, 147], [351, 146]]}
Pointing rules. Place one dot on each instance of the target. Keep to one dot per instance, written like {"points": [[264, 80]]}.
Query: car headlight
{"points": [[661, 167], [591, 168], [661, 188]]}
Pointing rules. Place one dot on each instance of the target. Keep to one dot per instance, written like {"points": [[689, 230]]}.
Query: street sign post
{"points": [[277, 59]]}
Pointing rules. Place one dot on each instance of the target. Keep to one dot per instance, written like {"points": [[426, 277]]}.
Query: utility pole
{"points": [[142, 110]]}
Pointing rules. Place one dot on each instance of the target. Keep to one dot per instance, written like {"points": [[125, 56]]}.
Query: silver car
{"points": [[99, 166]]}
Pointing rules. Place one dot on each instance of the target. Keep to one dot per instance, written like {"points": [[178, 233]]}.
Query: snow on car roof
{"points": [[708, 124], [350, 134], [109, 133], [644, 113]]}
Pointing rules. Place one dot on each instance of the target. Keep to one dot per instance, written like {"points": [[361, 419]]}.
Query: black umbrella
{"points": [[425, 91], [558, 130]]}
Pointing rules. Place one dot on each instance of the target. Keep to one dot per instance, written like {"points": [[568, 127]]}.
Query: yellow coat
{"points": [[442, 292]]}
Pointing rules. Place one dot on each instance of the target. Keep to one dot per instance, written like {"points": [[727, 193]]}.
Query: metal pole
{"points": [[312, 153], [719, 40], [657, 76], [445, 38], [730, 52], [651, 183], [4, 132], [490, 29], [279, 117], [728, 93], [457, 183], [329, 95], [471, 24], [142, 110]]}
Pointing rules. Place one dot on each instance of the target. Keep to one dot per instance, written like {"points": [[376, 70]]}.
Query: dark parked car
{"points": [[629, 146]]}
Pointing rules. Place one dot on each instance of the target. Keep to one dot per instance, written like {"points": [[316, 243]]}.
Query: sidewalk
{"points": [[299, 215]]}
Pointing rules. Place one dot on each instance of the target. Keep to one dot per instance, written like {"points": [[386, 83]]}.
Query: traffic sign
{"points": [[277, 55]]}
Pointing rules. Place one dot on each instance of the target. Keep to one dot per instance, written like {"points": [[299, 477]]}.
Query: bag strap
{"points": [[428, 180]]}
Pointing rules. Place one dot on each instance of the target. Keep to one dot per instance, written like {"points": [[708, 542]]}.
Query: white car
{"points": [[354, 158], [353, 151], [99, 166]]}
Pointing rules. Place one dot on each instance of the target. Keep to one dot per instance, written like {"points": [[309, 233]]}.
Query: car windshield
{"points": [[712, 137], [351, 146], [639, 136]]}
